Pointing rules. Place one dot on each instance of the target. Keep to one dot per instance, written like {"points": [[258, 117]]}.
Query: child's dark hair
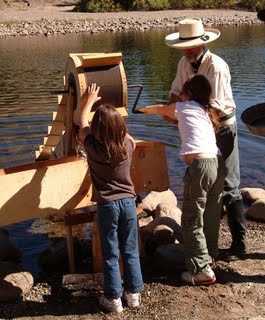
{"points": [[109, 129], [198, 88]]}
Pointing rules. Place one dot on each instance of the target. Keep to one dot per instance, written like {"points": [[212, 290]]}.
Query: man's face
{"points": [[193, 54]]}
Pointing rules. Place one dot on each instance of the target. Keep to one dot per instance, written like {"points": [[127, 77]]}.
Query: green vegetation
{"points": [[130, 5]]}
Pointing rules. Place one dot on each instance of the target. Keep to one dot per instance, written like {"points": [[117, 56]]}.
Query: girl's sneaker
{"points": [[112, 305], [202, 278], [133, 300]]}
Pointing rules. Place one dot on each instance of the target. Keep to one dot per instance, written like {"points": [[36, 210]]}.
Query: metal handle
{"points": [[59, 91], [137, 97]]}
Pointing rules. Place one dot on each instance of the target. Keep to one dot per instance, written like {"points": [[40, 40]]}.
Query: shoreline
{"points": [[53, 20]]}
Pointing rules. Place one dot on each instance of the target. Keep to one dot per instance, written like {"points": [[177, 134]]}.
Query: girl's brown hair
{"points": [[198, 88], [109, 129]]}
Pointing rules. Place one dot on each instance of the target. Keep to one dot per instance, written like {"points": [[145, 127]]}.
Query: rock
{"points": [[14, 285], [150, 202], [162, 230], [8, 251], [257, 211], [168, 210], [145, 221], [168, 222], [163, 234], [250, 195]]}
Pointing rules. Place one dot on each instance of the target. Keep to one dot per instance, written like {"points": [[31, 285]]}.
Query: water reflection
{"points": [[30, 68]]}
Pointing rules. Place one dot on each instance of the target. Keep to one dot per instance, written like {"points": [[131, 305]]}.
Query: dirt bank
{"points": [[53, 17]]}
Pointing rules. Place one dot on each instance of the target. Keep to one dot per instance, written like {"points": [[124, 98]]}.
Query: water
{"points": [[32, 67]]}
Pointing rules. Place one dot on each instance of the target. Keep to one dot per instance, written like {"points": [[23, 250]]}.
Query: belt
{"points": [[228, 119]]}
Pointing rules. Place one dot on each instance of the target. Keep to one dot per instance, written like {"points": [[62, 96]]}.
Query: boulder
{"points": [[257, 211], [167, 222], [145, 221], [250, 195], [168, 210], [14, 285], [150, 202]]}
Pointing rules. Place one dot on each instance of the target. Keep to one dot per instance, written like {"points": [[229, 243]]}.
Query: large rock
{"points": [[257, 211], [250, 195], [14, 285], [150, 202], [162, 230], [168, 222], [8, 251], [168, 210], [145, 221]]}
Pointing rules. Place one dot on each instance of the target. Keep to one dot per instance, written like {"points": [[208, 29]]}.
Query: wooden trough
{"points": [[254, 118], [59, 181]]}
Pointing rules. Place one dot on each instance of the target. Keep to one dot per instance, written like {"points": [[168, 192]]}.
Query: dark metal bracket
{"points": [[140, 86]]}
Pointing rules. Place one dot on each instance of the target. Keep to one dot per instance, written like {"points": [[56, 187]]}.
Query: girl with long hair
{"points": [[109, 150], [204, 177]]}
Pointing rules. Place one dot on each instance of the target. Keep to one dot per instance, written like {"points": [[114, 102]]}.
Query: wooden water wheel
{"points": [[80, 72]]}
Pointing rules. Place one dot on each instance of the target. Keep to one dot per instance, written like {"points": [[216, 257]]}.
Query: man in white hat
{"points": [[192, 39]]}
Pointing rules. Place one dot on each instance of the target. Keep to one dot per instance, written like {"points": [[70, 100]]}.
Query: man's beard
{"points": [[197, 57]]}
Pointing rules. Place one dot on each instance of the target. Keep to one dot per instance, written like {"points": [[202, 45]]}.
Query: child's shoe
{"points": [[133, 300], [112, 305], [202, 278]]}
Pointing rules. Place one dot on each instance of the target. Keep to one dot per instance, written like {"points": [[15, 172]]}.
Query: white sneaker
{"points": [[112, 305], [206, 277], [133, 299]]}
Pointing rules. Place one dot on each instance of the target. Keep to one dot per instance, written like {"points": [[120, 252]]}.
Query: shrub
{"points": [[98, 6], [118, 5]]}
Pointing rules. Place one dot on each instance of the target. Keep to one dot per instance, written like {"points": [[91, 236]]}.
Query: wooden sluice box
{"points": [[59, 181]]}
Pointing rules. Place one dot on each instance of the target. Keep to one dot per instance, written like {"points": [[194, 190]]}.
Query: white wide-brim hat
{"points": [[191, 34]]}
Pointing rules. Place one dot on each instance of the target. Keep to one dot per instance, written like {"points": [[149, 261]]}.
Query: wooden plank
{"points": [[52, 140], [59, 115], [95, 59], [149, 167], [56, 128], [59, 151], [62, 98], [56, 186], [68, 137], [40, 156], [44, 190], [45, 149]]}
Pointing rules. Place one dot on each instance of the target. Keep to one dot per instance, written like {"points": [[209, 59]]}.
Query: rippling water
{"points": [[32, 67]]}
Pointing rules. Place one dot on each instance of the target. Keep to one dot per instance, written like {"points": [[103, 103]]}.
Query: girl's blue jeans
{"points": [[118, 228]]}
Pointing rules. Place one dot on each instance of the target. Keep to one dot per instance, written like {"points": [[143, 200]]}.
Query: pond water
{"points": [[30, 68]]}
